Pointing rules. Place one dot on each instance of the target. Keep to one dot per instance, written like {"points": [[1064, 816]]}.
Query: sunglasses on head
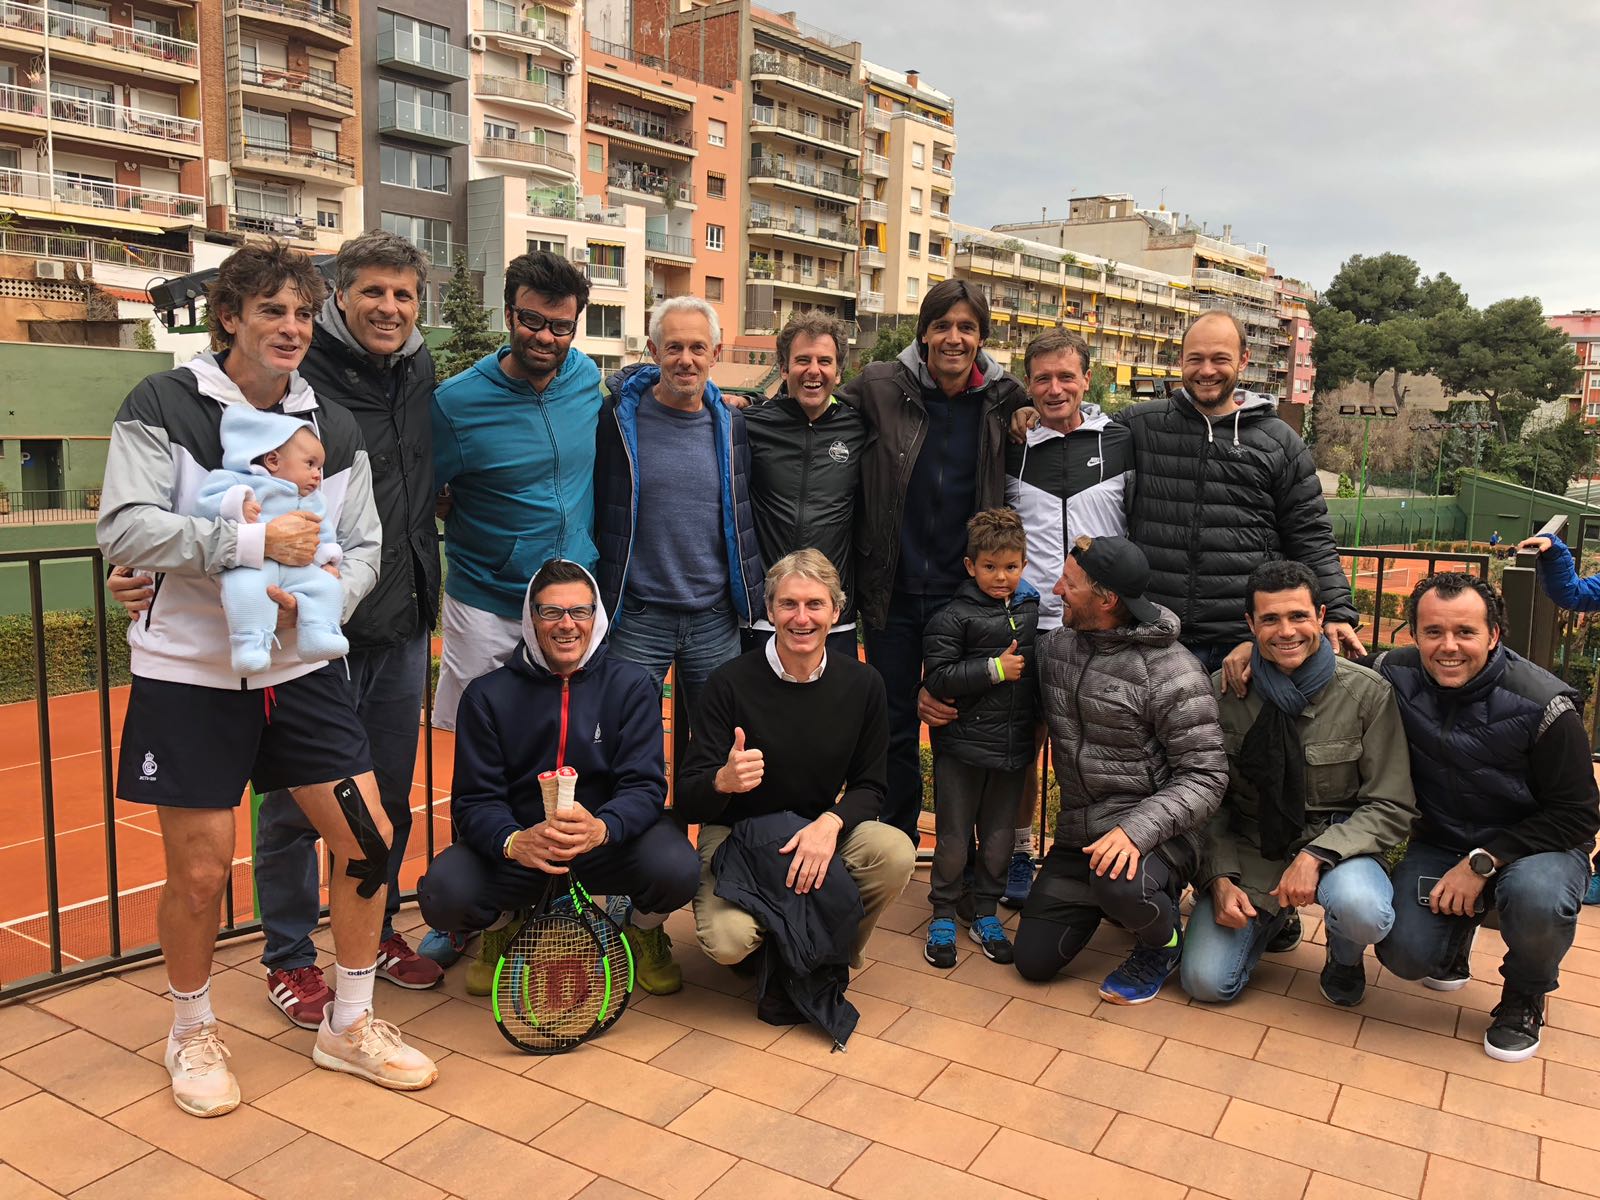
{"points": [[533, 322]]}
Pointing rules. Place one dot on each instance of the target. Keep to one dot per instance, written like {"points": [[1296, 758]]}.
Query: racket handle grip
{"points": [[566, 789]]}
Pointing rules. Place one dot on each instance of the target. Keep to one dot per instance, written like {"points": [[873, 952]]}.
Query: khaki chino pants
{"points": [[879, 858]]}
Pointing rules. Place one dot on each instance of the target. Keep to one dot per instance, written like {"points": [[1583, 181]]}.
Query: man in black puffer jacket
{"points": [[978, 650], [1221, 486], [1507, 803]]}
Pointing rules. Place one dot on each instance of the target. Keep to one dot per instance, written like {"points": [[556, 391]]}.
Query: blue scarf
{"points": [[1271, 756]]}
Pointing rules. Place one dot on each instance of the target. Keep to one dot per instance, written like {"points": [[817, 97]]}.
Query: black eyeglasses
{"points": [[554, 612], [534, 321]]}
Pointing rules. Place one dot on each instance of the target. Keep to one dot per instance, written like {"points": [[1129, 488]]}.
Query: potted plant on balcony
{"points": [[5, 500], [91, 499]]}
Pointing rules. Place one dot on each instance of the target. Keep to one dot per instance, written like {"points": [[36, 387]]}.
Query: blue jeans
{"points": [[388, 683], [1358, 906], [1538, 898], [896, 651], [694, 642]]}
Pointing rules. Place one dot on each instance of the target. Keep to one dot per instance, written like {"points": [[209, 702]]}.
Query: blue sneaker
{"points": [[941, 947], [443, 948], [1592, 896], [1019, 880], [1142, 973], [991, 935]]}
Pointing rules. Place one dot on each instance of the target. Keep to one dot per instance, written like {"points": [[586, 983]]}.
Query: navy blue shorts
{"points": [[189, 746]]}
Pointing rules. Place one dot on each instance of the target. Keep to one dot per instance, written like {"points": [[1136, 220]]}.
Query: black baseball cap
{"points": [[1117, 565]]}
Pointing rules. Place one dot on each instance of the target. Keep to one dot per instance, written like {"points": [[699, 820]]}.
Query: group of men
{"points": [[595, 543]]}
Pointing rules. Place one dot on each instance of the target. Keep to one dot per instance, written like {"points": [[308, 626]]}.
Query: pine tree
{"points": [[143, 337], [464, 312]]}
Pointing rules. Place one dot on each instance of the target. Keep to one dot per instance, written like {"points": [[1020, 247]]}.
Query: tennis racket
{"points": [[617, 950], [555, 983]]}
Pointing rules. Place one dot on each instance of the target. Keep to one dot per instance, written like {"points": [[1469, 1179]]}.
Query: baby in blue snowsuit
{"points": [[272, 465]]}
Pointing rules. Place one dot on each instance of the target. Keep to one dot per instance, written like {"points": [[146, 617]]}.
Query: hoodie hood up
{"points": [[531, 650], [248, 433], [331, 318], [213, 381]]}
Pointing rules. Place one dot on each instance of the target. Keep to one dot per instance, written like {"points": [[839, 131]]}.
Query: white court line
{"points": [[44, 945]]}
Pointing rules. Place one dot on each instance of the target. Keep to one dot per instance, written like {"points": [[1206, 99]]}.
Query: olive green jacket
{"points": [[1358, 783]]}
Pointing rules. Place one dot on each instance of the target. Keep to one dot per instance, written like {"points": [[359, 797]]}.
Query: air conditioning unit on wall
{"points": [[478, 42], [49, 269], [578, 254], [635, 343]]}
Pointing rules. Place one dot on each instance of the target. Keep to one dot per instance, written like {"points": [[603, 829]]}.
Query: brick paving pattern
{"points": [[971, 1083]]}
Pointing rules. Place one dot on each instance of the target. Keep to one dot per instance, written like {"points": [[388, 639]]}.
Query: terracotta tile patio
{"points": [[968, 1083]]}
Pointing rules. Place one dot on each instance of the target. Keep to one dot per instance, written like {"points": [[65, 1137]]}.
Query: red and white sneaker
{"points": [[400, 964], [302, 993]]}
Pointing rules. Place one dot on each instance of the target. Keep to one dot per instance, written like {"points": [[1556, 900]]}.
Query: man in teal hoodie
{"points": [[513, 438]]}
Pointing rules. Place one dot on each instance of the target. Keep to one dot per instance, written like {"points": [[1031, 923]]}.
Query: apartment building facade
{"points": [[1297, 374], [281, 119], [908, 181], [1583, 331], [415, 131], [1132, 318], [102, 158], [1220, 272]]}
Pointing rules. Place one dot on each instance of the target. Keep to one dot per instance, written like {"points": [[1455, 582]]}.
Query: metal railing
{"points": [[111, 118], [124, 39], [845, 235], [91, 249], [322, 13], [628, 54], [27, 17], [607, 274], [874, 210], [307, 157], [669, 243], [878, 119], [871, 256], [49, 506], [312, 87], [838, 133], [551, 30], [273, 224], [840, 183], [876, 165], [781, 66], [871, 302], [507, 87], [424, 55], [624, 118], [650, 181], [528, 153], [61, 190]]}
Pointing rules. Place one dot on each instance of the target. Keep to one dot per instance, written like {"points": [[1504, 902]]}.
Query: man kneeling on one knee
{"points": [[562, 700], [1319, 789], [794, 728]]}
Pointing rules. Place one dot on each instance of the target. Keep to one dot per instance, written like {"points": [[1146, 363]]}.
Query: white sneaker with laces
{"points": [[373, 1050], [202, 1085]]}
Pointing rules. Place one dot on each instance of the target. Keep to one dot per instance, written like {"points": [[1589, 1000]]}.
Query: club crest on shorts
{"points": [[147, 769], [839, 452]]}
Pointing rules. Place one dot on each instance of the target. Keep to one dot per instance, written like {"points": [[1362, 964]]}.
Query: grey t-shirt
{"points": [[679, 557]]}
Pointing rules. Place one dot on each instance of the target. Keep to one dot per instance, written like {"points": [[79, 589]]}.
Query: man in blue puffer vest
{"points": [[513, 440], [1507, 803]]}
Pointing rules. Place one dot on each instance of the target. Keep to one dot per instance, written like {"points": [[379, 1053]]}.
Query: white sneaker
{"points": [[373, 1050], [202, 1085]]}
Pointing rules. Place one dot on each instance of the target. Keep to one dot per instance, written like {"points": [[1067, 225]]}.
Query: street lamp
{"points": [[1368, 413], [1438, 474], [1477, 450]]}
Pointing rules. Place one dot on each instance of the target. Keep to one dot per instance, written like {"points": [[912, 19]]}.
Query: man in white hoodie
{"points": [[195, 731]]}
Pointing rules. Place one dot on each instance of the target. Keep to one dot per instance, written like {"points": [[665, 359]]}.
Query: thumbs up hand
{"points": [[1011, 662], [743, 770]]}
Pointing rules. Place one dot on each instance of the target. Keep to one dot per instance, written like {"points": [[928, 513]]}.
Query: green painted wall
{"points": [[66, 393], [1512, 509], [67, 585]]}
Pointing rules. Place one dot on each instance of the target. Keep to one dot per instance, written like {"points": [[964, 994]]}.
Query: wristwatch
{"points": [[1482, 863]]}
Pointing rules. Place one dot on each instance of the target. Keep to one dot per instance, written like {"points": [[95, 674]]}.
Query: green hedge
{"points": [[1394, 604], [69, 646]]}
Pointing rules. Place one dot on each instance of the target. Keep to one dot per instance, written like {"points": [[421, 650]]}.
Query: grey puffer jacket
{"points": [[1134, 735]]}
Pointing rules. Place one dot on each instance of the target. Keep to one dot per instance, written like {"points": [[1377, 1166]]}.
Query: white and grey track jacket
{"points": [[164, 442], [1063, 486]]}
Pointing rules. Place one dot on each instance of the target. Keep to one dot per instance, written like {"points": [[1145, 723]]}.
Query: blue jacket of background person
{"points": [[1561, 581], [520, 465], [617, 488]]}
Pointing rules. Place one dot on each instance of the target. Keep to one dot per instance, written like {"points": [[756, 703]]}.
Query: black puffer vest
{"points": [[1470, 746]]}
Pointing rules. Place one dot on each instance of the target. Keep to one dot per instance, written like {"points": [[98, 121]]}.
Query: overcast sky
{"points": [[1464, 133]]}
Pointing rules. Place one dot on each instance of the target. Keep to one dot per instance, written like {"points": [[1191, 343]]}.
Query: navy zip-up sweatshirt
{"points": [[941, 495]]}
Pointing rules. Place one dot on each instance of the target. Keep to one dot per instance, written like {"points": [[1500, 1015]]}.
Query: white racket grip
{"points": [[566, 789]]}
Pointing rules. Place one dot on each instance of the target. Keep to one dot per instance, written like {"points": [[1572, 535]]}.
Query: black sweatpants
{"points": [[964, 796], [1068, 900]]}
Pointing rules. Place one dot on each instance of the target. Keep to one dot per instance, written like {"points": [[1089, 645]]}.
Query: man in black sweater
{"points": [[792, 728], [1507, 802]]}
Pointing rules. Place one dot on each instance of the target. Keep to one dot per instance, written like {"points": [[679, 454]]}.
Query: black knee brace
{"points": [[372, 868]]}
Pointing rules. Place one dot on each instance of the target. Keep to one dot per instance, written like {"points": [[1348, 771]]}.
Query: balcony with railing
{"points": [[766, 65], [69, 194], [112, 45], [95, 250], [323, 18], [21, 24], [528, 33], [843, 184], [1209, 277], [654, 63], [869, 302], [423, 122], [524, 92], [247, 219], [286, 158], [872, 257], [607, 274], [101, 121], [938, 258], [765, 222], [642, 125], [878, 119], [805, 126], [428, 57], [318, 90], [527, 154], [653, 184], [823, 277], [941, 215], [875, 165], [672, 244], [874, 210]]}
